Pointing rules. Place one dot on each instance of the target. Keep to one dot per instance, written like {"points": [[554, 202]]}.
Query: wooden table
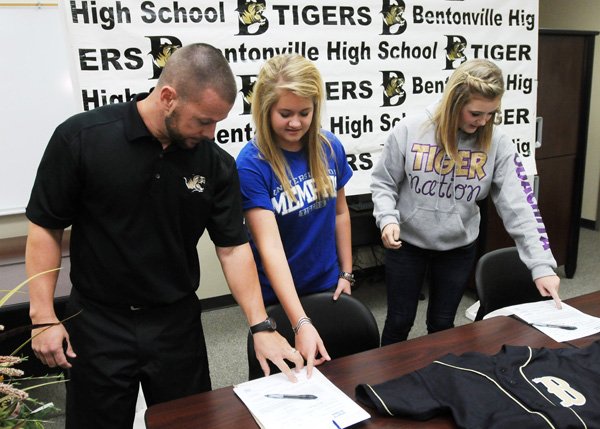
{"points": [[589, 304], [221, 408]]}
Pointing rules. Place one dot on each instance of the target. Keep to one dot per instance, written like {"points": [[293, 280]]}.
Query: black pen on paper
{"points": [[285, 396], [550, 325]]}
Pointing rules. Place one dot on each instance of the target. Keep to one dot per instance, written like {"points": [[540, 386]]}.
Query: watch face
{"points": [[272, 323]]}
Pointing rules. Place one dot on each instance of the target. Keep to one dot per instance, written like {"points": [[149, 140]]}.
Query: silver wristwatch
{"points": [[347, 276]]}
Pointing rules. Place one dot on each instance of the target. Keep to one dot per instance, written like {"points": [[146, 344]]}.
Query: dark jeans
{"points": [[117, 349], [405, 270]]}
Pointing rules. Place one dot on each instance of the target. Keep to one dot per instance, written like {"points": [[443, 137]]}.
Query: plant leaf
{"points": [[16, 288]]}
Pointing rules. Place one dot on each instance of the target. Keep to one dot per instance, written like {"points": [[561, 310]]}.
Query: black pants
{"points": [[117, 349], [404, 275]]}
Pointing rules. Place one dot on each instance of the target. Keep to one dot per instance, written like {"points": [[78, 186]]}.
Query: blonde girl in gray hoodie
{"points": [[434, 167]]}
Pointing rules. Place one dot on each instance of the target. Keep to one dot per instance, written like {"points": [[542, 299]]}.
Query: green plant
{"points": [[18, 410]]}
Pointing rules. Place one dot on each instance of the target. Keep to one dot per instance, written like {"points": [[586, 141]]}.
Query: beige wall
{"points": [[582, 15], [13, 226]]}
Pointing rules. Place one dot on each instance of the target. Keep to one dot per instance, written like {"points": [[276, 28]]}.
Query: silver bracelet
{"points": [[302, 321]]}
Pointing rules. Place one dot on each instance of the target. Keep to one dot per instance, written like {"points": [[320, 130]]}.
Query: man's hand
{"points": [[47, 344], [548, 286], [272, 346], [390, 236], [309, 344]]}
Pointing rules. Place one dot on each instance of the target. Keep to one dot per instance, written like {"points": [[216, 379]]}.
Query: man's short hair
{"points": [[196, 67]]}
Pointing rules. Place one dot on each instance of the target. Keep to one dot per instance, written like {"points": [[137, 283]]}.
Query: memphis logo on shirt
{"points": [[304, 189]]}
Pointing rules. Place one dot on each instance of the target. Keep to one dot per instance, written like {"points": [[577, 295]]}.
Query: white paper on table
{"points": [[546, 312], [332, 409]]}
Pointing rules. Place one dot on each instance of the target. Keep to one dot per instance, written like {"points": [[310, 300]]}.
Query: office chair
{"points": [[502, 279], [346, 326]]}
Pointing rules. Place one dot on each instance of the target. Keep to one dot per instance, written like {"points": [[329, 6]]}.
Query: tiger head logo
{"points": [[393, 93], [393, 15], [251, 19], [392, 12], [247, 90], [394, 87], [252, 13], [162, 54], [456, 51], [195, 183], [248, 96]]}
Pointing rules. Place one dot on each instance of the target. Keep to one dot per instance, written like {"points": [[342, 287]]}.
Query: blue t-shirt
{"points": [[306, 227]]}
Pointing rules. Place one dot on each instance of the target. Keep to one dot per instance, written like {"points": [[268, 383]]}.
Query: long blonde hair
{"points": [[298, 75], [474, 77]]}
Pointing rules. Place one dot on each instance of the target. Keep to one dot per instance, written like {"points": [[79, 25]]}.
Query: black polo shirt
{"points": [[137, 211]]}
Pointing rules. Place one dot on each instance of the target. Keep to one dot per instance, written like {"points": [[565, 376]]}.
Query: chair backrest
{"points": [[502, 279], [346, 326]]}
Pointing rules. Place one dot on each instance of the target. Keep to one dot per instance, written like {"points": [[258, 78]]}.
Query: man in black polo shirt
{"points": [[139, 182]]}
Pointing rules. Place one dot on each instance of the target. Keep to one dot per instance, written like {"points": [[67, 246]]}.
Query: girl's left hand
{"points": [[342, 286], [310, 344]]}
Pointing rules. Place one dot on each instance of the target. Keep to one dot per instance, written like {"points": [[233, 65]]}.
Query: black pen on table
{"points": [[286, 396], [551, 325]]}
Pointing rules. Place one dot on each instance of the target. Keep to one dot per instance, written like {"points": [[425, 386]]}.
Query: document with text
{"points": [[563, 324], [316, 403]]}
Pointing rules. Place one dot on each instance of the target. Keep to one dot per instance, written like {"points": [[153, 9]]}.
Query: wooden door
{"points": [[565, 61]]}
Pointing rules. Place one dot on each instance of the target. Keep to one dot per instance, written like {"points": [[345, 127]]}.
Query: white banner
{"points": [[380, 60]]}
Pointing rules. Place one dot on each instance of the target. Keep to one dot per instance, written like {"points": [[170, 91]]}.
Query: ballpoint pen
{"points": [[285, 396], [550, 325]]}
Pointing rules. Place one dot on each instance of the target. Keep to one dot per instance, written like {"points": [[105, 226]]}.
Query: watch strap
{"points": [[347, 276], [268, 324]]}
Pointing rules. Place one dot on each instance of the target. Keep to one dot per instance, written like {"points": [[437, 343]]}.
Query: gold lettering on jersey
{"points": [[562, 390]]}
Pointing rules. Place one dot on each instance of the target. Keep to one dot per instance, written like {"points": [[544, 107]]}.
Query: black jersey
{"points": [[519, 387]]}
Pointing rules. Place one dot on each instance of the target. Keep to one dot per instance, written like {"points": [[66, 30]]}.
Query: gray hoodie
{"points": [[434, 199]]}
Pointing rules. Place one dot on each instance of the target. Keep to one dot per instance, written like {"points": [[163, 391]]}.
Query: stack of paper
{"points": [[313, 403], [565, 324]]}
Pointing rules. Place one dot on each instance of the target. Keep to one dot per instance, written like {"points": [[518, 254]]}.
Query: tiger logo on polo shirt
{"points": [[195, 183]]}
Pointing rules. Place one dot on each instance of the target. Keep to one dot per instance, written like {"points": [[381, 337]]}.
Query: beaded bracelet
{"points": [[302, 321]]}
